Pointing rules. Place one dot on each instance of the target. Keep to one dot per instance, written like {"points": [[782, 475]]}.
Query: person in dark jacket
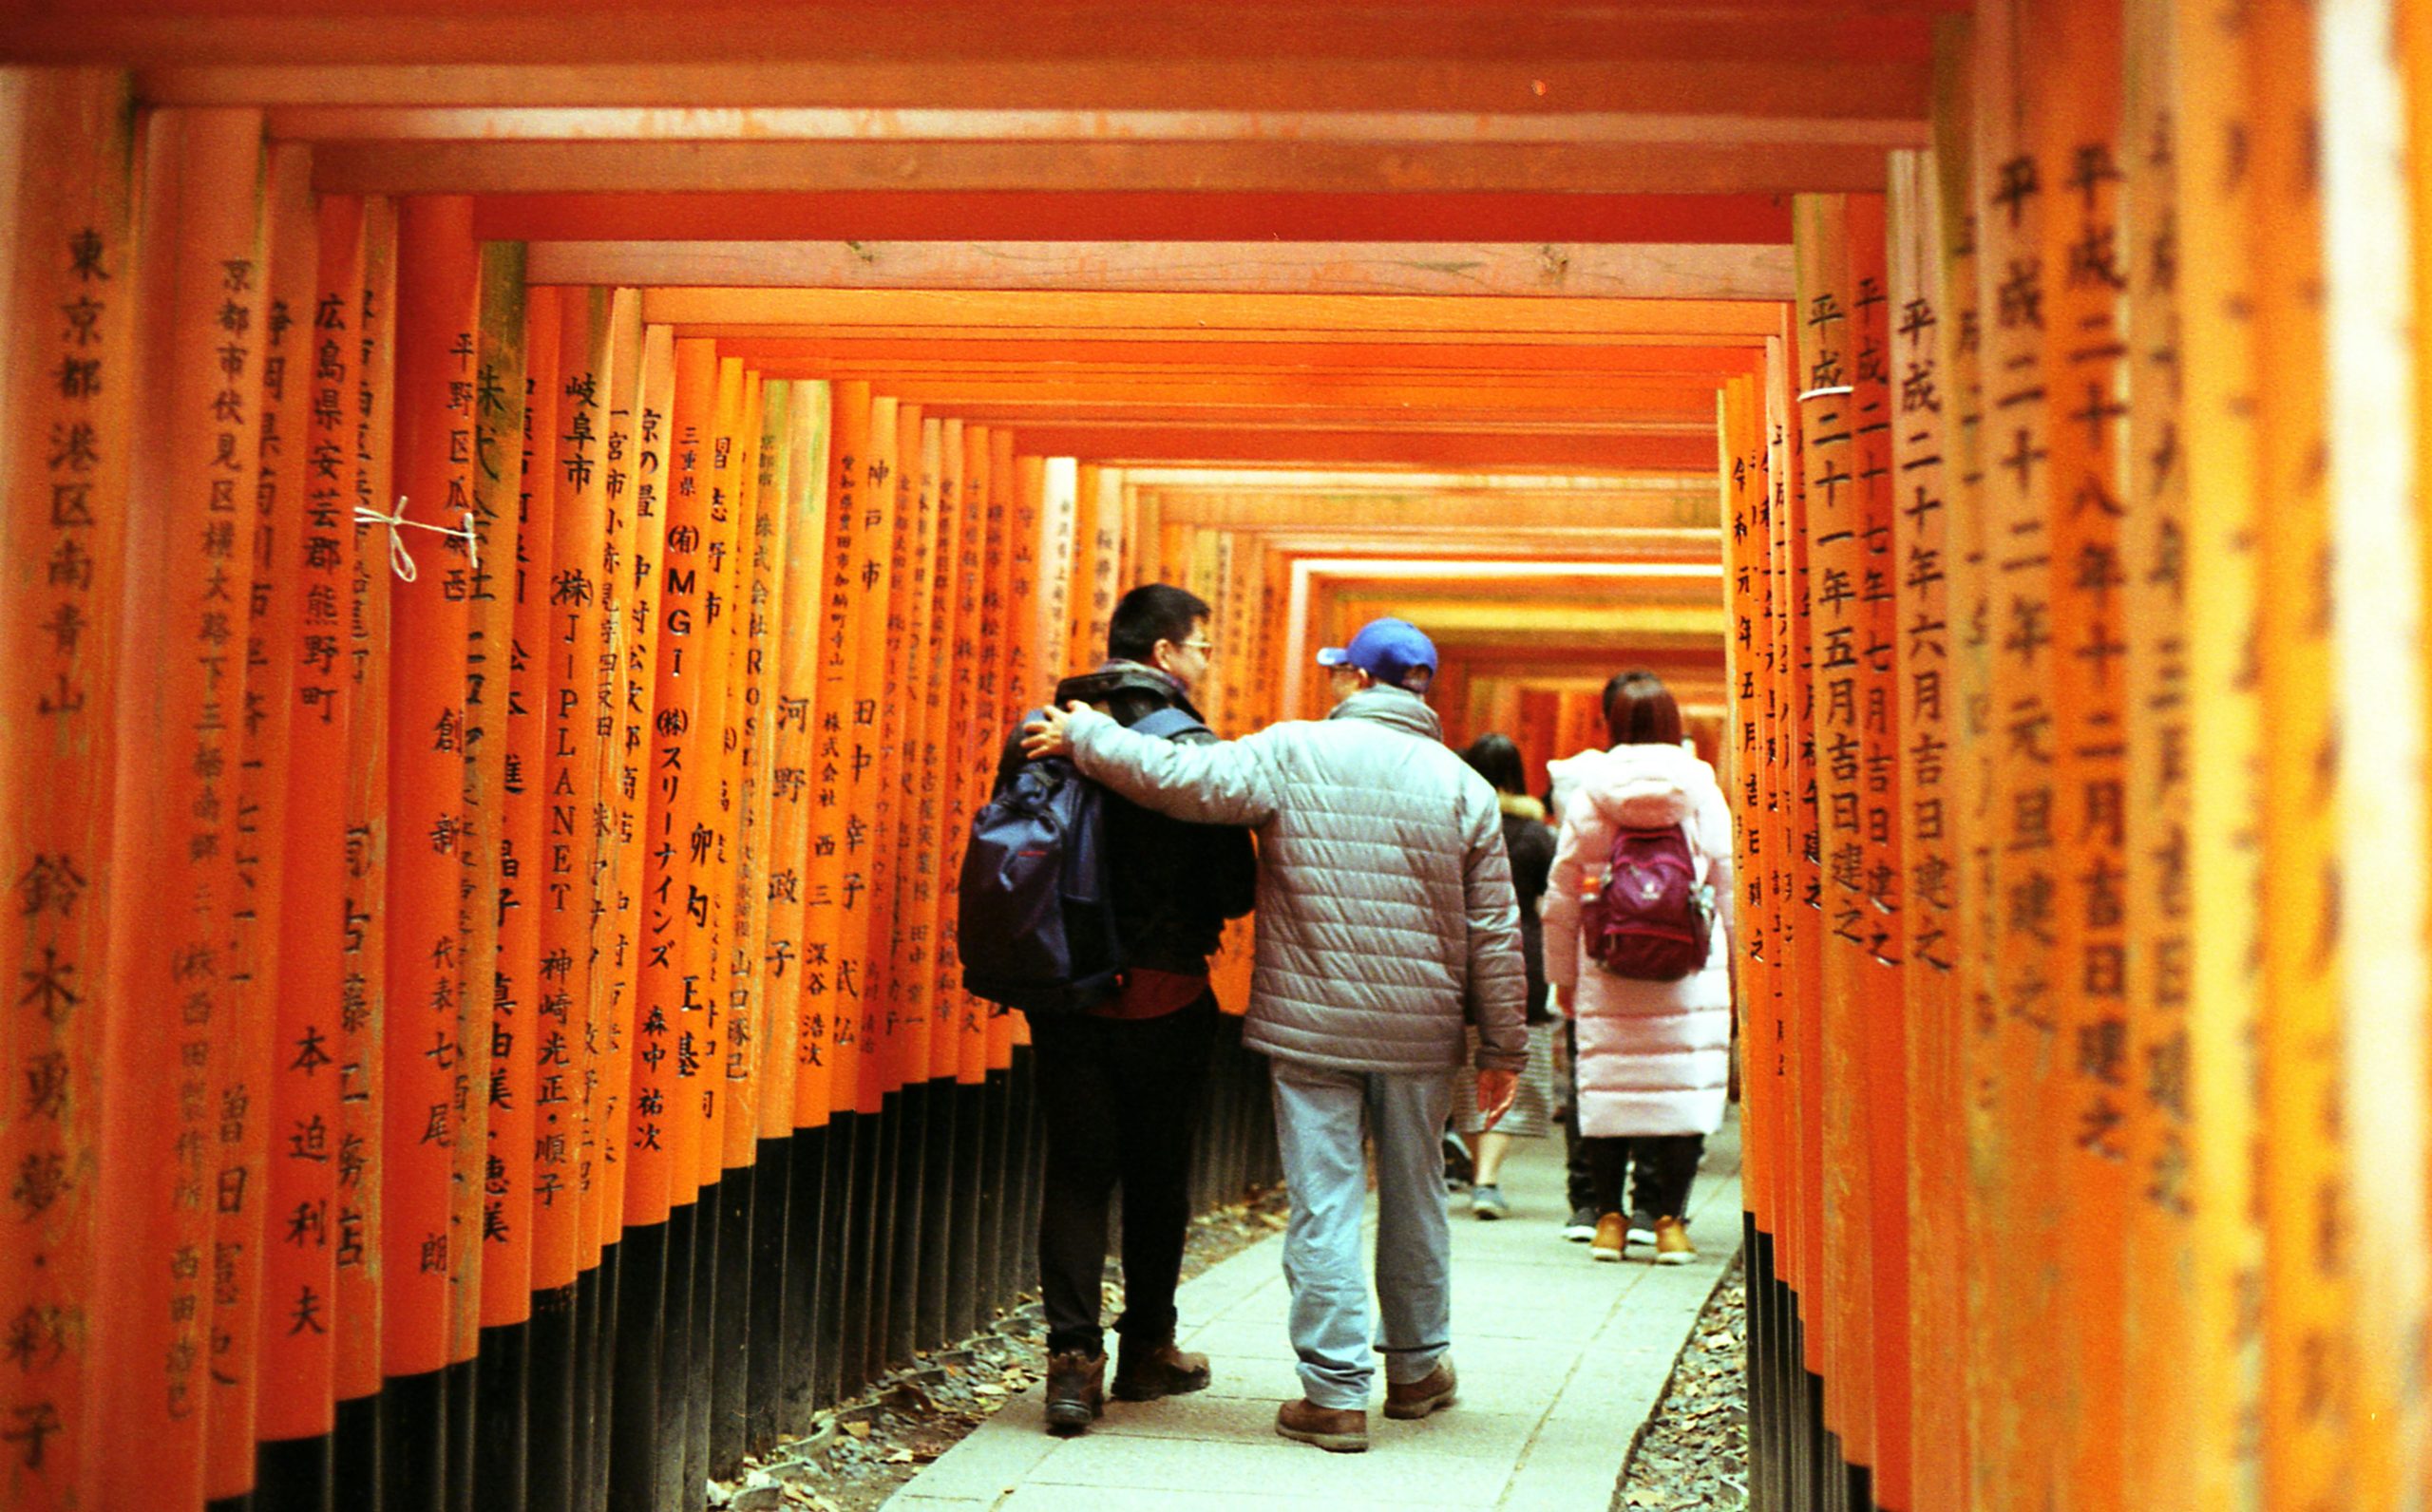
{"points": [[1120, 1083], [1530, 842]]}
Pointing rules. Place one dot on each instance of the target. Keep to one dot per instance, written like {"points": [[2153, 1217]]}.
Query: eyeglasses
{"points": [[1205, 648]]}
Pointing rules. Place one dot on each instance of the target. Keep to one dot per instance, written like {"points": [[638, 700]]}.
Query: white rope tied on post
{"points": [[401, 561]]}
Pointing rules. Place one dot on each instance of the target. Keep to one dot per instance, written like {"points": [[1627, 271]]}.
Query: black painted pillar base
{"points": [[549, 1445], [731, 1323], [413, 1441], [295, 1475], [463, 1395], [502, 1383], [632, 1423], [672, 1441], [359, 1459]]}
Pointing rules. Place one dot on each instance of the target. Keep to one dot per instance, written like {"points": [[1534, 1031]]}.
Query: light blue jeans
{"points": [[1319, 1118]]}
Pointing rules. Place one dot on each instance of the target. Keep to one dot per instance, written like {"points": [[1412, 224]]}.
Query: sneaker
{"points": [[1607, 1245], [1487, 1202], [1582, 1227], [1642, 1228], [1458, 1166], [1150, 1368], [1672, 1246], [1075, 1390], [1418, 1398], [1336, 1430]]}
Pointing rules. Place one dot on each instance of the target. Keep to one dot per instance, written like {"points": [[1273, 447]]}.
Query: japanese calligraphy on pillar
{"points": [[357, 1243], [300, 1269], [64, 514], [437, 375]]}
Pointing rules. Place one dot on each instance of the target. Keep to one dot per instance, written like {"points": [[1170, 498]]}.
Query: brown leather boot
{"points": [[1418, 1398], [1148, 1368], [1075, 1390], [1338, 1430]]}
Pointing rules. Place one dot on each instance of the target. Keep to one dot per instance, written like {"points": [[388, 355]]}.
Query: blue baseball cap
{"points": [[1389, 651]]}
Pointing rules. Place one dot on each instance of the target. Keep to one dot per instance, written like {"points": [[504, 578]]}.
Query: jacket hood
{"points": [[1122, 676], [1396, 706], [1634, 787], [1520, 805]]}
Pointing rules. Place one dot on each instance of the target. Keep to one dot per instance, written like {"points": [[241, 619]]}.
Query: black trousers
{"points": [[1121, 1099], [1660, 1166]]}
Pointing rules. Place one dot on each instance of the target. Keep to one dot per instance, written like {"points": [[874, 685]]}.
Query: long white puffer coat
{"points": [[1654, 1057], [1386, 918]]}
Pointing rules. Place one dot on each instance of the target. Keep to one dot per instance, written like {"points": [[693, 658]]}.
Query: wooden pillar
{"points": [[199, 280], [2217, 245], [70, 369]]}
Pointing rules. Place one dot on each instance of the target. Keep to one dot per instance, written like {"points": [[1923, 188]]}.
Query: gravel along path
{"points": [[1694, 1451], [860, 1452]]}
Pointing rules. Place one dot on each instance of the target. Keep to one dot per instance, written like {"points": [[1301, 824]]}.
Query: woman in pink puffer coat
{"points": [[1654, 1058]]}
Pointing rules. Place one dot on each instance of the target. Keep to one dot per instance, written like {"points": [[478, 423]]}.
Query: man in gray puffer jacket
{"points": [[1386, 925]]}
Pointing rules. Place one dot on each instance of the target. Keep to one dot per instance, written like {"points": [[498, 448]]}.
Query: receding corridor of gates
{"points": [[526, 528]]}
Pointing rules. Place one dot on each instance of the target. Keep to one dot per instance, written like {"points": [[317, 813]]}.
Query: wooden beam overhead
{"points": [[1450, 34], [1162, 215], [327, 123], [1239, 167], [1368, 449], [1017, 354], [1055, 315], [1734, 271]]}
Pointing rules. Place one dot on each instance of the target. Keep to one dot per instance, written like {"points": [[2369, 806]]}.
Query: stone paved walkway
{"points": [[1561, 1359]]}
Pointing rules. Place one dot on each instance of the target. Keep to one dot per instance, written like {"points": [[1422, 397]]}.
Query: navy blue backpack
{"points": [[1035, 923]]}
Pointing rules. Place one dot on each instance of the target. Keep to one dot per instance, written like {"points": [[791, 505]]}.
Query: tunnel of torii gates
{"points": [[525, 525]]}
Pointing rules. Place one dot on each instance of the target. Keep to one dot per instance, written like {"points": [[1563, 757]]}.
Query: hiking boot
{"points": [[1424, 1395], [1582, 1227], [1075, 1390], [1336, 1430], [1147, 1370], [1486, 1201], [1672, 1246], [1607, 1245]]}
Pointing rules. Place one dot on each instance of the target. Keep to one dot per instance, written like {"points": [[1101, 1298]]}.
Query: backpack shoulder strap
{"points": [[1169, 723]]}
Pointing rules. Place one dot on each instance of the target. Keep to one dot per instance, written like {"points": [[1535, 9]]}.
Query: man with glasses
{"points": [[1121, 1083]]}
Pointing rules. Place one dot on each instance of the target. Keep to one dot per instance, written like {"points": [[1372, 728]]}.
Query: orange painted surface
{"points": [[436, 320], [663, 1150], [608, 1010], [645, 546], [517, 1027], [869, 929], [1929, 817], [67, 221], [2310, 1351], [749, 583], [1885, 894], [300, 1281], [1831, 348], [792, 453], [828, 1080], [160, 1156], [246, 1226], [359, 1237], [561, 875], [714, 836], [2084, 672]]}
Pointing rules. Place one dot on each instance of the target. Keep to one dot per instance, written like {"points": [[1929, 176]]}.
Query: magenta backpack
{"points": [[1651, 918]]}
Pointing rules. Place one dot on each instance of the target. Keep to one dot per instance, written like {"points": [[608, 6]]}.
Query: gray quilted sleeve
{"points": [[1218, 782]]}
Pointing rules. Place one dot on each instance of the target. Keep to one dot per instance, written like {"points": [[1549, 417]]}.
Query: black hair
{"points": [[1497, 760], [1640, 710], [1152, 612]]}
